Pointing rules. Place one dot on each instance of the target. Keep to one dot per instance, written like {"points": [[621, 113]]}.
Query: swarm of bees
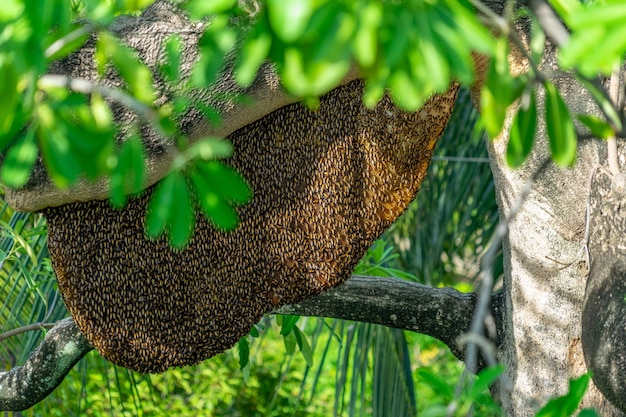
{"points": [[326, 184]]}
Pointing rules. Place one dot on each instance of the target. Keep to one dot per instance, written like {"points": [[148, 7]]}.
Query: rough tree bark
{"points": [[543, 302]]}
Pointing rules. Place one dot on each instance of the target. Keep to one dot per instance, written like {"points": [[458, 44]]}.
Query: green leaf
{"points": [[19, 160], [404, 90], [499, 92], [209, 148], [214, 44], [565, 7], [137, 75], [365, 43], [437, 383], [170, 209], [243, 346], [522, 135], [598, 14], [603, 101], [560, 128], [212, 204], [199, 9], [485, 379], [8, 92], [537, 41], [10, 10], [588, 412], [182, 216], [101, 113], [566, 405], [173, 50], [598, 127], [290, 342], [289, 19], [225, 181], [254, 52], [55, 146], [69, 46], [288, 323], [128, 176], [305, 347]]}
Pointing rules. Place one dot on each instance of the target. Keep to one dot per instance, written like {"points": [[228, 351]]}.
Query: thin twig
{"points": [[28, 328]]}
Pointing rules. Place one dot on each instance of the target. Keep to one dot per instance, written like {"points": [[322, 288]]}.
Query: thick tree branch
{"points": [[26, 385], [443, 313]]}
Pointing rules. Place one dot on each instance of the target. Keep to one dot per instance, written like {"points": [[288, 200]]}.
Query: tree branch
{"points": [[443, 313], [26, 385]]}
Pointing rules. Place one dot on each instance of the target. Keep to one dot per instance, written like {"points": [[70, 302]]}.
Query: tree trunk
{"points": [[543, 299]]}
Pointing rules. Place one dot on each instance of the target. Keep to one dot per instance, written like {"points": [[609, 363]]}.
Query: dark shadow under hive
{"points": [[326, 185]]}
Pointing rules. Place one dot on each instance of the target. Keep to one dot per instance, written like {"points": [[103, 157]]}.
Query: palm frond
{"points": [[28, 291], [446, 229]]}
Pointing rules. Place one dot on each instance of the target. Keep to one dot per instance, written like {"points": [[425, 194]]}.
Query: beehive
{"points": [[326, 185]]}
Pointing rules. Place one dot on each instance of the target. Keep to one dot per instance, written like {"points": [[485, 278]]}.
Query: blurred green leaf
{"points": [[254, 51], [215, 43], [588, 412], [595, 23], [437, 383], [137, 75], [55, 146], [537, 41], [70, 43], [484, 380], [225, 181], [243, 346], [128, 175], [603, 101], [595, 14], [289, 18], [598, 127], [215, 186], [170, 210], [290, 342], [561, 132], [365, 43], [566, 405], [405, 91], [209, 148], [199, 9], [9, 94], [10, 10], [19, 160], [522, 134], [173, 51], [499, 92], [288, 323], [565, 7], [304, 346]]}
